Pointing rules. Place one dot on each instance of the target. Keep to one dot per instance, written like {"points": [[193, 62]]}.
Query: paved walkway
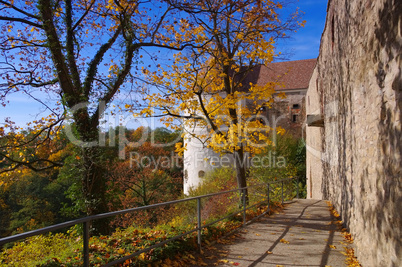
{"points": [[303, 234]]}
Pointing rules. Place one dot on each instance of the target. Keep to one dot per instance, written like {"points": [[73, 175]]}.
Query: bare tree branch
{"points": [[22, 21], [19, 10]]}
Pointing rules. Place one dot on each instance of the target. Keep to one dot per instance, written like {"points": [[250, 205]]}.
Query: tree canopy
{"points": [[210, 86]]}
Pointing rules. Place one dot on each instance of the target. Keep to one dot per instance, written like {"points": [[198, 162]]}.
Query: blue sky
{"points": [[302, 45], [306, 42]]}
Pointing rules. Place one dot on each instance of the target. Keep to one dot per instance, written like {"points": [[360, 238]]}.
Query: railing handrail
{"points": [[88, 219]]}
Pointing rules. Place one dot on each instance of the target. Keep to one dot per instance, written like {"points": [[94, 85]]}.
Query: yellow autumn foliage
{"points": [[208, 85]]}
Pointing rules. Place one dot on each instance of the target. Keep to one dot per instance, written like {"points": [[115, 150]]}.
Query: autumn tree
{"points": [[30, 199], [80, 53], [150, 173], [210, 86]]}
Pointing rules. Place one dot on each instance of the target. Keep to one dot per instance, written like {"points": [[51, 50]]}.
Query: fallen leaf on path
{"points": [[269, 252], [284, 241], [332, 246]]}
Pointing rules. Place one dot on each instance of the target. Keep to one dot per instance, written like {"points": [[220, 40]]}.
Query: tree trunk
{"points": [[93, 173], [241, 172], [94, 188]]}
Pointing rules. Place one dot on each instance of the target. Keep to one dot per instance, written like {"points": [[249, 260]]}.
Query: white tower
{"points": [[195, 160], [198, 159]]}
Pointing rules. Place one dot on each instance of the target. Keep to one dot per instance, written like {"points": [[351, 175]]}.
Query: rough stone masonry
{"points": [[354, 155]]}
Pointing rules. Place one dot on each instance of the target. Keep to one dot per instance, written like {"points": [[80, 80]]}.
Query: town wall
{"points": [[357, 88]]}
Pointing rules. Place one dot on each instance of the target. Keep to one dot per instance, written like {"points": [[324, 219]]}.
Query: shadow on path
{"points": [[304, 233]]}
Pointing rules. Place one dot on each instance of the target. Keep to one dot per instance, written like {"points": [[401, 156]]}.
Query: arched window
{"points": [[201, 174]]}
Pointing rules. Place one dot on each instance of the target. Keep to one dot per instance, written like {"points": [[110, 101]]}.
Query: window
{"points": [[332, 32], [201, 174], [294, 118], [296, 106]]}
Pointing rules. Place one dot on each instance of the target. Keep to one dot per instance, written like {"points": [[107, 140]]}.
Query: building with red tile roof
{"points": [[293, 77]]}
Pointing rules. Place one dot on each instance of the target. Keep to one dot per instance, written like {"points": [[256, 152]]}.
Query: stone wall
{"points": [[354, 160], [314, 147]]}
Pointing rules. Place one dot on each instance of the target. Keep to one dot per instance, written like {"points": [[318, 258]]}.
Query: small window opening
{"points": [[201, 174], [294, 118], [332, 32], [296, 106]]}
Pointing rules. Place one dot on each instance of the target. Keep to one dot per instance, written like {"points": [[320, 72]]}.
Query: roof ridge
{"points": [[290, 61]]}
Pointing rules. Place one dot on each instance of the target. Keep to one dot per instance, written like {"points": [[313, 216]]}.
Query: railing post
{"points": [[86, 244], [282, 192], [297, 187], [244, 206], [268, 198], [199, 223]]}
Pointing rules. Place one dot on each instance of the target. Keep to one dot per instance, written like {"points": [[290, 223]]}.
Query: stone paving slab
{"points": [[303, 234]]}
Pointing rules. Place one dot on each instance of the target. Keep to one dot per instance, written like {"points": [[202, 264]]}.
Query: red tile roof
{"points": [[293, 74]]}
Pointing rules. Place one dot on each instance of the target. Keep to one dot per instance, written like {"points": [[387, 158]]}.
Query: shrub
{"points": [[217, 180], [286, 158], [42, 250]]}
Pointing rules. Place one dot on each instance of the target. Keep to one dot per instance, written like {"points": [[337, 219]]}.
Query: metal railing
{"points": [[87, 220]]}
